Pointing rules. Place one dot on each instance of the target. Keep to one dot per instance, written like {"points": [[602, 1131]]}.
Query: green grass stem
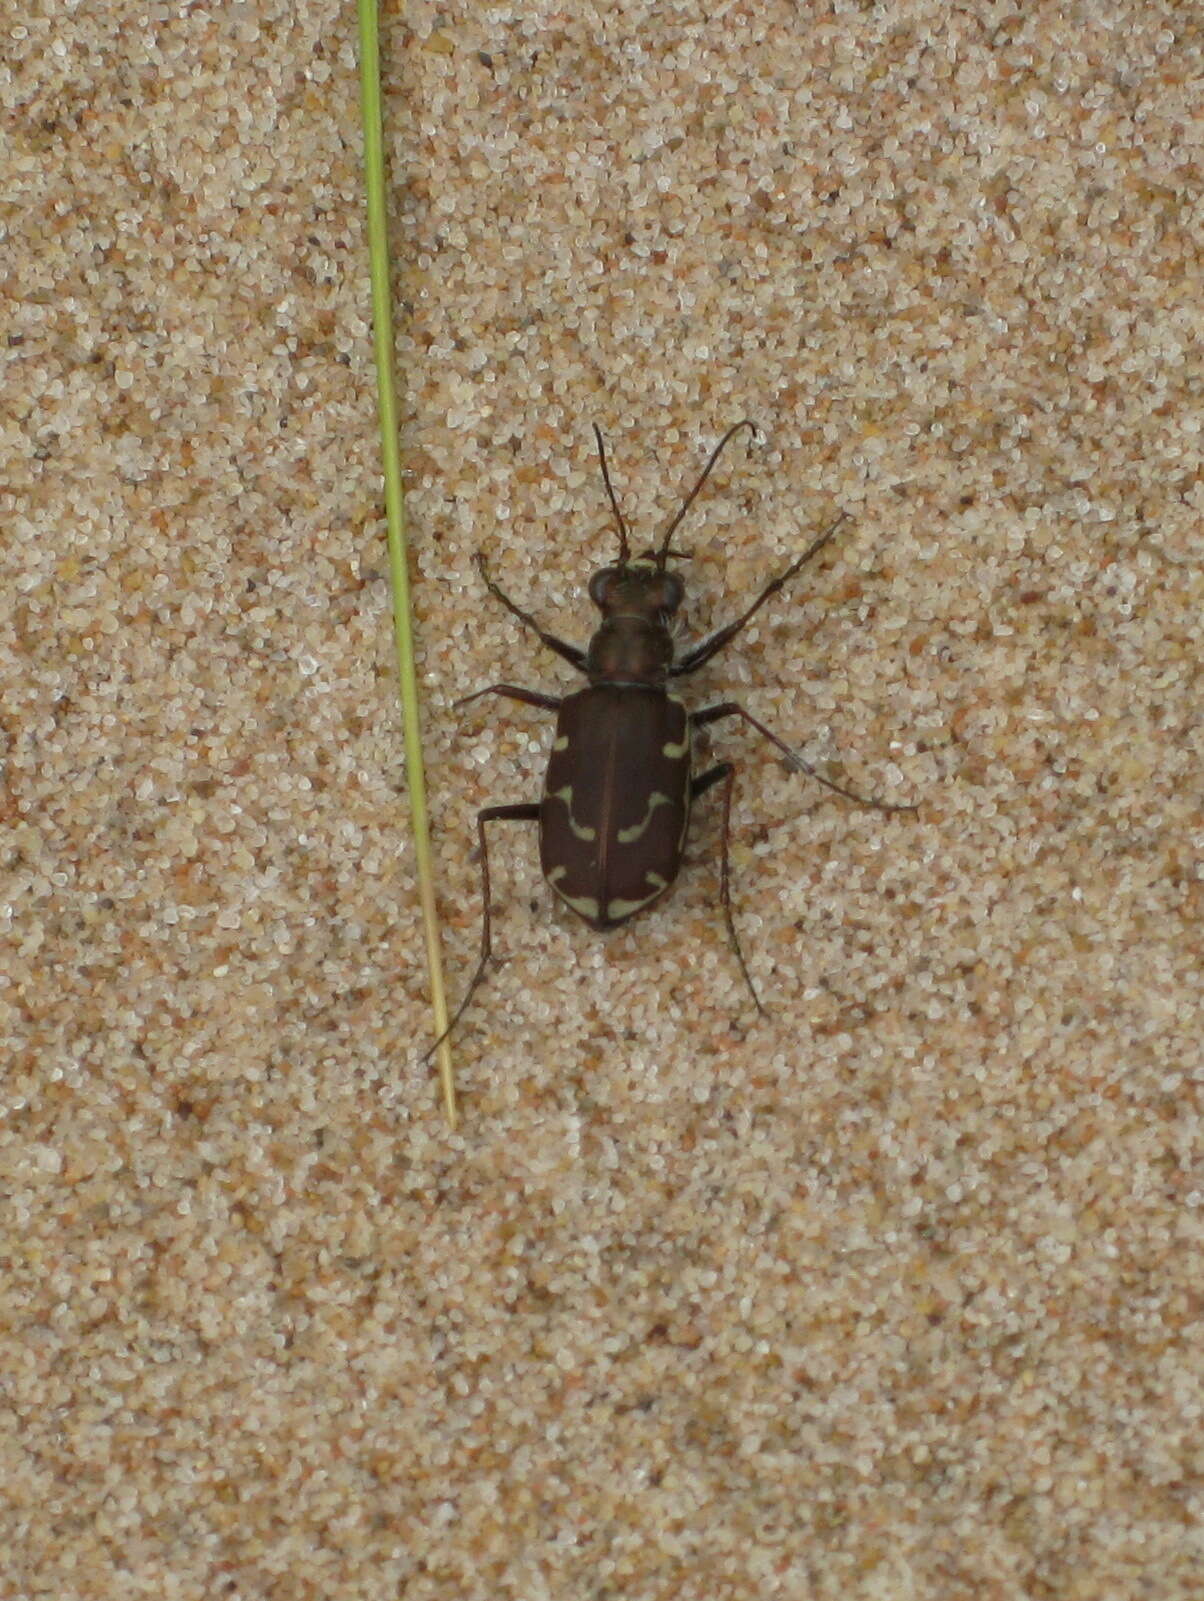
{"points": [[382, 333]]}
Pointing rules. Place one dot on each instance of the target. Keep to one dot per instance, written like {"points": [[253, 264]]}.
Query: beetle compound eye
{"points": [[600, 585], [670, 593]]}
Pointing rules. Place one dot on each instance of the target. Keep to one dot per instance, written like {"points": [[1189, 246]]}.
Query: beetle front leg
{"points": [[705, 649], [725, 773], [731, 708], [521, 812], [571, 653]]}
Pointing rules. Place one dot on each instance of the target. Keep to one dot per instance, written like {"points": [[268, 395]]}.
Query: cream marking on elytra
{"points": [[617, 909], [562, 743], [581, 830], [626, 835], [583, 905]]}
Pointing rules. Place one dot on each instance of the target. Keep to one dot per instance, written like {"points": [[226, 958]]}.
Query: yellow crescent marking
{"points": [[626, 835], [580, 829], [617, 909], [562, 743], [671, 750], [583, 905]]}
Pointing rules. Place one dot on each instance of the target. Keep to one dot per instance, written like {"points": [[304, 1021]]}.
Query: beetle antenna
{"points": [[624, 547], [664, 552]]}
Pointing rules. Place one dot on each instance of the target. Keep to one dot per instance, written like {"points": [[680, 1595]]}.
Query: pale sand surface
{"points": [[896, 1294]]}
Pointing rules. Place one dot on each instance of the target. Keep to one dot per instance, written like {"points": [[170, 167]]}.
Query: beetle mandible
{"points": [[620, 783]]}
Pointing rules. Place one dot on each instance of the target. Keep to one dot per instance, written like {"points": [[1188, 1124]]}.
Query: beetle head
{"points": [[639, 588]]}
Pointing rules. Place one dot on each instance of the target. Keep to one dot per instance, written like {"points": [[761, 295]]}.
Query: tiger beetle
{"points": [[620, 784]]}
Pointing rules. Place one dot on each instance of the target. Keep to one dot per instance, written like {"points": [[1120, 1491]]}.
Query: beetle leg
{"points": [[571, 653], [706, 648], [725, 774], [521, 812], [530, 697], [731, 708]]}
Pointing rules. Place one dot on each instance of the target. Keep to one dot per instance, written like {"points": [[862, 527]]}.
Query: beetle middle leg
{"points": [[529, 697], [725, 773], [571, 653], [520, 812], [731, 708]]}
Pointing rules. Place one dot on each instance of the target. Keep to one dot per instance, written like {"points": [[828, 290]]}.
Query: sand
{"points": [[894, 1294]]}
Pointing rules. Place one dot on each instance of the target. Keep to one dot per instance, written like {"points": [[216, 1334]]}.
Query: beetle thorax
{"points": [[630, 650]]}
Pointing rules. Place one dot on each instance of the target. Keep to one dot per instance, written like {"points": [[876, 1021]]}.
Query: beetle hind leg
{"points": [[521, 812], [725, 773]]}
